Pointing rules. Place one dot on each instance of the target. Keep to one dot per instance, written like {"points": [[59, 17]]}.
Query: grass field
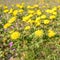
{"points": [[29, 29], [31, 2]]}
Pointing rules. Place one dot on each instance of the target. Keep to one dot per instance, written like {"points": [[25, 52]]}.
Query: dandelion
{"points": [[54, 8], [38, 24], [15, 12], [39, 33], [31, 11], [38, 12], [52, 17], [43, 16], [11, 10], [18, 5], [27, 28], [54, 13], [46, 21], [6, 11], [7, 25], [48, 11], [15, 35], [25, 18], [12, 19], [21, 11], [5, 7], [35, 6], [51, 33]]}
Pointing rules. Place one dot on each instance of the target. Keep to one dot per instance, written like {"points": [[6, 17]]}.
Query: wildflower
{"points": [[6, 10], [38, 24], [21, 11], [25, 18], [48, 11], [31, 11], [27, 28], [43, 16], [30, 21], [52, 17], [51, 33], [28, 6], [54, 8], [12, 19], [11, 10], [15, 35], [39, 33], [54, 13], [5, 7], [38, 18], [18, 5], [11, 44], [35, 6], [30, 15], [7, 25], [15, 12], [38, 12], [46, 21]]}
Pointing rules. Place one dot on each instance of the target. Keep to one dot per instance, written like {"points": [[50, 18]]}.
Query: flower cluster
{"points": [[23, 25]]}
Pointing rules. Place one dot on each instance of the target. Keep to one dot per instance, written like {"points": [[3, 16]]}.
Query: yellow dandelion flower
{"points": [[7, 25], [31, 11], [54, 13], [15, 35], [6, 11], [52, 17], [30, 21], [18, 5], [38, 18], [35, 6], [39, 33], [12, 19], [27, 28], [15, 12], [51, 33], [46, 22], [38, 24], [30, 15], [5, 7], [11, 10], [38, 12], [28, 6], [25, 18], [48, 11], [54, 8], [21, 11], [43, 16]]}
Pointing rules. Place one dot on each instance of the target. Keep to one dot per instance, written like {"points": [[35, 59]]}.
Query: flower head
{"points": [[11, 44], [39, 33], [51, 33], [7, 25], [15, 35], [27, 28], [46, 21]]}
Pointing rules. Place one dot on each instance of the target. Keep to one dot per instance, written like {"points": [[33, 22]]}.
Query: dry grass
{"points": [[31, 2]]}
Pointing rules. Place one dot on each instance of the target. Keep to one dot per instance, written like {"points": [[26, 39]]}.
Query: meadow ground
{"points": [[30, 31]]}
